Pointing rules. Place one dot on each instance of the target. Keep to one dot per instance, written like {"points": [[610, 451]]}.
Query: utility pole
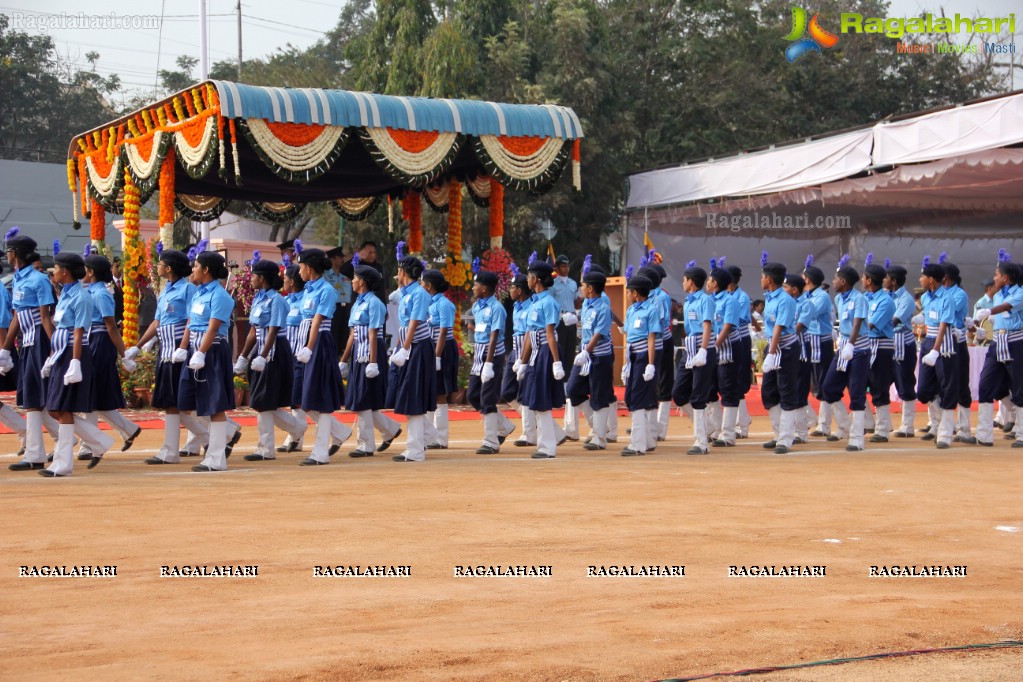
{"points": [[239, 41]]}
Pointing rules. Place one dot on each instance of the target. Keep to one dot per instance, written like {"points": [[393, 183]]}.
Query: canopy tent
{"points": [[949, 180], [281, 148]]}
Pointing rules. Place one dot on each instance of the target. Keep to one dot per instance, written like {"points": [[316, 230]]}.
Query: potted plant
{"points": [[241, 391], [138, 386]]}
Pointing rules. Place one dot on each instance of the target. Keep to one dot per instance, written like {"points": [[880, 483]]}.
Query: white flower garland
{"points": [[167, 235], [438, 194], [481, 186], [144, 168], [193, 156], [522, 167], [355, 205], [408, 162], [105, 185], [300, 158]]}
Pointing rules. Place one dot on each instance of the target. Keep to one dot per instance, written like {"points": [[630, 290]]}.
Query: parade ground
{"points": [[785, 559]]}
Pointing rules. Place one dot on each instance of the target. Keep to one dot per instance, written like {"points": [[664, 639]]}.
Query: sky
{"points": [[267, 25]]}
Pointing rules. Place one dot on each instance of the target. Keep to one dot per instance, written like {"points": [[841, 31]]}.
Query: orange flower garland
{"points": [[455, 220], [166, 218], [412, 211], [496, 214], [97, 223], [134, 261]]}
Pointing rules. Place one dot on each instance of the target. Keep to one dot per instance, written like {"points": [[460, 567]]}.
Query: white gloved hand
{"points": [[570, 319], [931, 358], [179, 355], [981, 334], [5, 356], [74, 373], [436, 362], [487, 373], [47, 367], [700, 359], [130, 353], [980, 315], [649, 372], [150, 344], [6, 366], [520, 373], [304, 355], [129, 365], [559, 371], [847, 351], [372, 370], [343, 366], [399, 357], [581, 358], [258, 364], [771, 362], [198, 360], [241, 364], [625, 374], [919, 319], [516, 365]]}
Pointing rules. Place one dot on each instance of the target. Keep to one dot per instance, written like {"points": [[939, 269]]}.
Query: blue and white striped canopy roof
{"points": [[363, 109]]}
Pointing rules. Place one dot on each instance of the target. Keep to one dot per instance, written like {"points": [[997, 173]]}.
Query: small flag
{"points": [[550, 253]]}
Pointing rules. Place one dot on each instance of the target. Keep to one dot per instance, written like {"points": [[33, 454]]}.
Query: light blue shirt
{"points": [[74, 309], [596, 319], [269, 309], [294, 301], [742, 302], [102, 302], [5, 308], [905, 307], [960, 303], [565, 291], [821, 312], [698, 308], [851, 305], [938, 307], [209, 302], [880, 311], [414, 304], [641, 320], [543, 312], [490, 316], [31, 289], [805, 312], [174, 302], [442, 312], [661, 300], [318, 298], [725, 311], [1010, 320], [779, 309], [520, 314], [368, 312]]}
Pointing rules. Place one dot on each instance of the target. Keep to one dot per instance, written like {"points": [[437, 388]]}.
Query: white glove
{"points": [[969, 322], [516, 365], [47, 366], [520, 373], [771, 362], [625, 374], [700, 359], [649, 372], [436, 361], [372, 370], [129, 365], [847, 351], [570, 319], [198, 360], [931, 358], [241, 364], [258, 364], [150, 344], [6, 367], [130, 353], [343, 366], [5, 356], [581, 358], [399, 357], [981, 334], [304, 355], [980, 315], [487, 373], [179, 355], [919, 319], [74, 373], [559, 371]]}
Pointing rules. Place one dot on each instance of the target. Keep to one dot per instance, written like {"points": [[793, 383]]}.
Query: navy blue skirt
{"points": [[210, 390], [31, 393], [322, 390], [368, 394], [271, 388], [106, 382], [509, 382], [73, 397], [297, 382], [597, 387], [415, 385], [168, 379], [447, 377], [542, 391], [639, 393]]}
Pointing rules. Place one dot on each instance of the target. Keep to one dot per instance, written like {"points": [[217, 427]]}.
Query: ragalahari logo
{"points": [[818, 40]]}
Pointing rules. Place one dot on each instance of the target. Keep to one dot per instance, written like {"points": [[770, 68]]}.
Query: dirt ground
{"points": [[900, 503]]}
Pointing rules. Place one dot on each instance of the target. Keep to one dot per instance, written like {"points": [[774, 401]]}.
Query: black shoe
{"points": [[967, 440], [21, 452], [259, 458], [541, 455], [833, 438], [94, 461], [770, 445], [231, 443], [818, 433], [928, 436], [333, 449], [130, 440], [902, 434], [563, 439], [401, 458], [718, 443], [26, 466], [522, 443], [593, 446], [629, 452], [696, 450], [436, 446], [868, 430], [1008, 428], [290, 447], [1017, 443], [387, 443], [154, 460], [49, 458], [501, 439], [853, 448], [781, 450], [186, 453], [310, 462], [1009, 436], [49, 474], [202, 468], [799, 441], [878, 439], [924, 429], [943, 446], [987, 445], [486, 450], [360, 453], [82, 457]]}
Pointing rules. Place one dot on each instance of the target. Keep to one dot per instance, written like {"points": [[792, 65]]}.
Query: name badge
{"points": [[933, 314], [637, 324], [850, 305], [168, 308], [534, 315], [19, 295], [692, 314], [309, 304], [481, 328], [197, 308], [58, 316], [257, 310]]}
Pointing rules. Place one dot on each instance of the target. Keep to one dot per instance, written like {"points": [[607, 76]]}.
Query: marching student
{"points": [[642, 343], [780, 390], [168, 327], [727, 343], [511, 387], [442, 323], [105, 344], [360, 363], [744, 352], [612, 412], [322, 391], [206, 386], [69, 368], [695, 374], [32, 295], [294, 287], [794, 285], [544, 390], [904, 342], [488, 362], [415, 390], [9, 379], [851, 365], [819, 334], [953, 283], [1001, 377], [272, 370], [590, 385], [660, 299], [880, 336], [938, 373]]}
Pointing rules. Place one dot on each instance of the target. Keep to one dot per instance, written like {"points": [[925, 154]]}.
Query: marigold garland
{"points": [[455, 219], [496, 214], [134, 261], [97, 222], [412, 211], [166, 218]]}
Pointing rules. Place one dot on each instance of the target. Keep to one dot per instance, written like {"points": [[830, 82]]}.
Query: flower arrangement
{"points": [[498, 261], [241, 287], [144, 377], [458, 273]]}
